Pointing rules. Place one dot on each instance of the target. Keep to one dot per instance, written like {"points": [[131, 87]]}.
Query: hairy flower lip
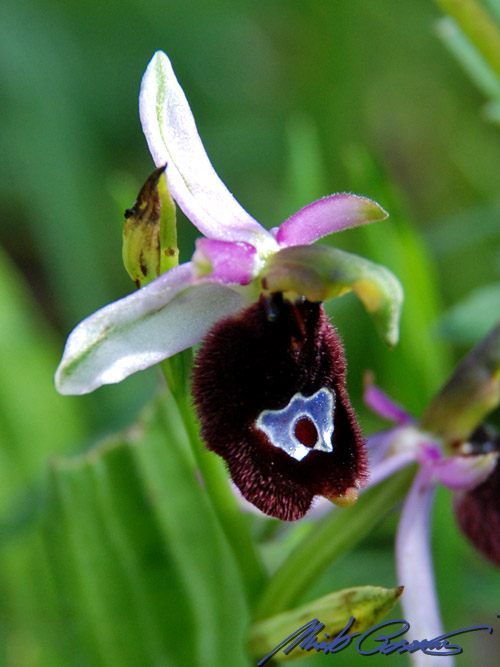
{"points": [[268, 373], [478, 515]]}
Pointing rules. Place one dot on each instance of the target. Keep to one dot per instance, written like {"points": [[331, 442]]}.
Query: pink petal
{"points": [[389, 466], [378, 445], [382, 405], [159, 320], [230, 262], [328, 215], [464, 472], [396, 440], [173, 140]]}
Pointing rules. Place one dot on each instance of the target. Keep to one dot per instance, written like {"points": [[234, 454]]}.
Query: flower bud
{"points": [[149, 232], [357, 608]]}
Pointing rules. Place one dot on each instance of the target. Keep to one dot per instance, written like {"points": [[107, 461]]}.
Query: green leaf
{"points": [[35, 422], [31, 631], [145, 572], [479, 27], [321, 272], [305, 176], [472, 318], [367, 604], [469, 57]]}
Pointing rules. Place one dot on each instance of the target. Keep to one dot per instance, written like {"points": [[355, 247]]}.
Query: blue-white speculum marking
{"points": [[309, 418]]}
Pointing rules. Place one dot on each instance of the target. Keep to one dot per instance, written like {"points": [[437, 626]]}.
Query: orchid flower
{"points": [[269, 380], [449, 448]]}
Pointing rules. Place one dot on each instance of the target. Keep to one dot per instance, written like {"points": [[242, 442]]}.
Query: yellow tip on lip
{"points": [[345, 500]]}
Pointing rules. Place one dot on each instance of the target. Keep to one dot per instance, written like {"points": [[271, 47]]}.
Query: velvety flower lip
{"points": [[478, 514], [228, 269], [271, 400]]}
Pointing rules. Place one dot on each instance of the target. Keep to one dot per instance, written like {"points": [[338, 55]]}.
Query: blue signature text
{"points": [[376, 639]]}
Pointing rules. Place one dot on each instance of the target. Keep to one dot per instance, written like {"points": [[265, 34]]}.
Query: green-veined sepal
{"points": [[321, 272]]}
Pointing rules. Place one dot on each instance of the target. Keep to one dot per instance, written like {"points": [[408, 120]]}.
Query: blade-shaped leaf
{"points": [[321, 273], [146, 575], [29, 609], [471, 318], [34, 421], [478, 26]]}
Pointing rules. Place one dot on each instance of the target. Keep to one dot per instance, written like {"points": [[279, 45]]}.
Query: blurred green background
{"points": [[293, 100]]}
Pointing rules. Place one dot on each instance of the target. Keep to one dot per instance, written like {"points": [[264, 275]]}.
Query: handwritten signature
{"points": [[306, 638]]}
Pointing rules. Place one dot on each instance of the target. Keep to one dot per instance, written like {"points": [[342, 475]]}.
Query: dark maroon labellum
{"points": [[269, 390], [478, 510]]}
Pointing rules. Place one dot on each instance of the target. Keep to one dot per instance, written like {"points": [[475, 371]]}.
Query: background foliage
{"points": [[112, 555]]}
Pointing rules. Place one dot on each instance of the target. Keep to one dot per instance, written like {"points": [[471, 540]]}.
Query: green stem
{"points": [[479, 27], [332, 538], [231, 519]]}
